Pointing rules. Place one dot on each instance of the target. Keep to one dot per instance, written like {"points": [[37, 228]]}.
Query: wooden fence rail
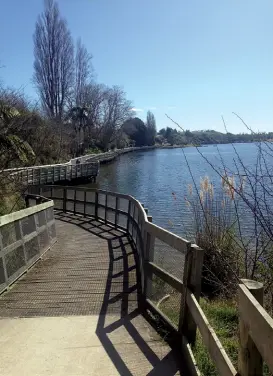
{"points": [[151, 241]]}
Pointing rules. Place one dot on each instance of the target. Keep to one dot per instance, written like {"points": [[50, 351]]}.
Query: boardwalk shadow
{"points": [[129, 340]]}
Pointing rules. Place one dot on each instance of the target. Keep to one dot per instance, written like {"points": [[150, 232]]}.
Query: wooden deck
{"points": [[90, 271]]}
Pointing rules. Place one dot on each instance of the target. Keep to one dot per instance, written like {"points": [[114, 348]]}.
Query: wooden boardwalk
{"points": [[90, 271]]}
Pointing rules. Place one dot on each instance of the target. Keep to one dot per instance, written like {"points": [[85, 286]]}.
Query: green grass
{"points": [[223, 317]]}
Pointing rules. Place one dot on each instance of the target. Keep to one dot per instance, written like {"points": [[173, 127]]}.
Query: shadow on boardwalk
{"points": [[87, 288], [123, 266]]}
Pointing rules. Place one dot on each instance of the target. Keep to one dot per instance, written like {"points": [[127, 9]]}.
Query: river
{"points": [[159, 178]]}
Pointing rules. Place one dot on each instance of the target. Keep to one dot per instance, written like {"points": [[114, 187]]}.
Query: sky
{"points": [[195, 60]]}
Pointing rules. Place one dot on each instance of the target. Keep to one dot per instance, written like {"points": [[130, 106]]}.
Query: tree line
{"points": [[205, 137]]}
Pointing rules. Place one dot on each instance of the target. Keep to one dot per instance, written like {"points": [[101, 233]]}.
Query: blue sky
{"points": [[193, 59]]}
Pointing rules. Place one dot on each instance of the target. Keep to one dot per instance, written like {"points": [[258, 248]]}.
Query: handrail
{"points": [[25, 236], [101, 203], [16, 216], [54, 173]]}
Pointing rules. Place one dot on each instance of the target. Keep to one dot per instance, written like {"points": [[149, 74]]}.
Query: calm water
{"points": [[159, 178]]}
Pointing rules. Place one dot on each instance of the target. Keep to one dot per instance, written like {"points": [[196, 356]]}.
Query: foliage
{"points": [[83, 72], [136, 130], [223, 317], [10, 197], [214, 224], [206, 137], [13, 149], [150, 129], [53, 61], [140, 133]]}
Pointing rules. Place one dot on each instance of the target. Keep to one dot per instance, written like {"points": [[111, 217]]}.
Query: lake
{"points": [[159, 178]]}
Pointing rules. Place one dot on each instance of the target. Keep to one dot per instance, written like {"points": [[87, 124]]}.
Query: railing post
{"points": [[128, 217], [27, 201], [96, 205], [116, 212], [191, 281], [250, 362], [105, 211], [75, 198], [84, 204], [149, 246], [64, 199], [3, 260]]}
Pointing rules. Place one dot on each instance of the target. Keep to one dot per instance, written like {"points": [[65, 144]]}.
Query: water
{"points": [[159, 178]]}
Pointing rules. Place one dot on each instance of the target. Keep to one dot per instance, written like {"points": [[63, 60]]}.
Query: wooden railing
{"points": [[256, 330], [24, 236], [175, 279], [54, 173], [86, 166], [109, 155]]}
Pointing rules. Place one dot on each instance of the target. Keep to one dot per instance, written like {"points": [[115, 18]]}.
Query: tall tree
{"points": [[116, 109], [136, 130], [83, 72], [79, 117], [151, 128], [53, 60]]}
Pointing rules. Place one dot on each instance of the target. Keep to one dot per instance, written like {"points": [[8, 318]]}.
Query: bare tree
{"points": [[54, 61], [107, 108], [83, 72], [116, 109]]}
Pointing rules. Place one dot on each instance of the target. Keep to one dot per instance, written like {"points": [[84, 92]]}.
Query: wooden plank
{"points": [[189, 358], [167, 237], [259, 323], [211, 341], [184, 313], [149, 247], [165, 276], [250, 361], [193, 273]]}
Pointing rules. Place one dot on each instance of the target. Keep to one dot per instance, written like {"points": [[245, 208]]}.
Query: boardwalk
{"points": [[76, 312]]}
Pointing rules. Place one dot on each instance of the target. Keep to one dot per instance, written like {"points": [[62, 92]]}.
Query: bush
{"points": [[214, 226]]}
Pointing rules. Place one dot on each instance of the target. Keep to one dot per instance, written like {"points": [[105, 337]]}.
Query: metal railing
{"points": [[24, 236], [54, 173], [167, 262]]}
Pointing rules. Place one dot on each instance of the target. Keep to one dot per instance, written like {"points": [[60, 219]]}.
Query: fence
{"points": [[170, 270], [24, 236], [54, 173], [109, 155]]}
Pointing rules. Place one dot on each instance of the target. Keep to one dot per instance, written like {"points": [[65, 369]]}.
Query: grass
{"points": [[223, 317]]}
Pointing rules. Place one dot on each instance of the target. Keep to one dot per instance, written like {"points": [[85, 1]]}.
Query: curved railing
{"points": [[163, 256]]}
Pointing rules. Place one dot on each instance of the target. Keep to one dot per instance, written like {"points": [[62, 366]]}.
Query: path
{"points": [[77, 311]]}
